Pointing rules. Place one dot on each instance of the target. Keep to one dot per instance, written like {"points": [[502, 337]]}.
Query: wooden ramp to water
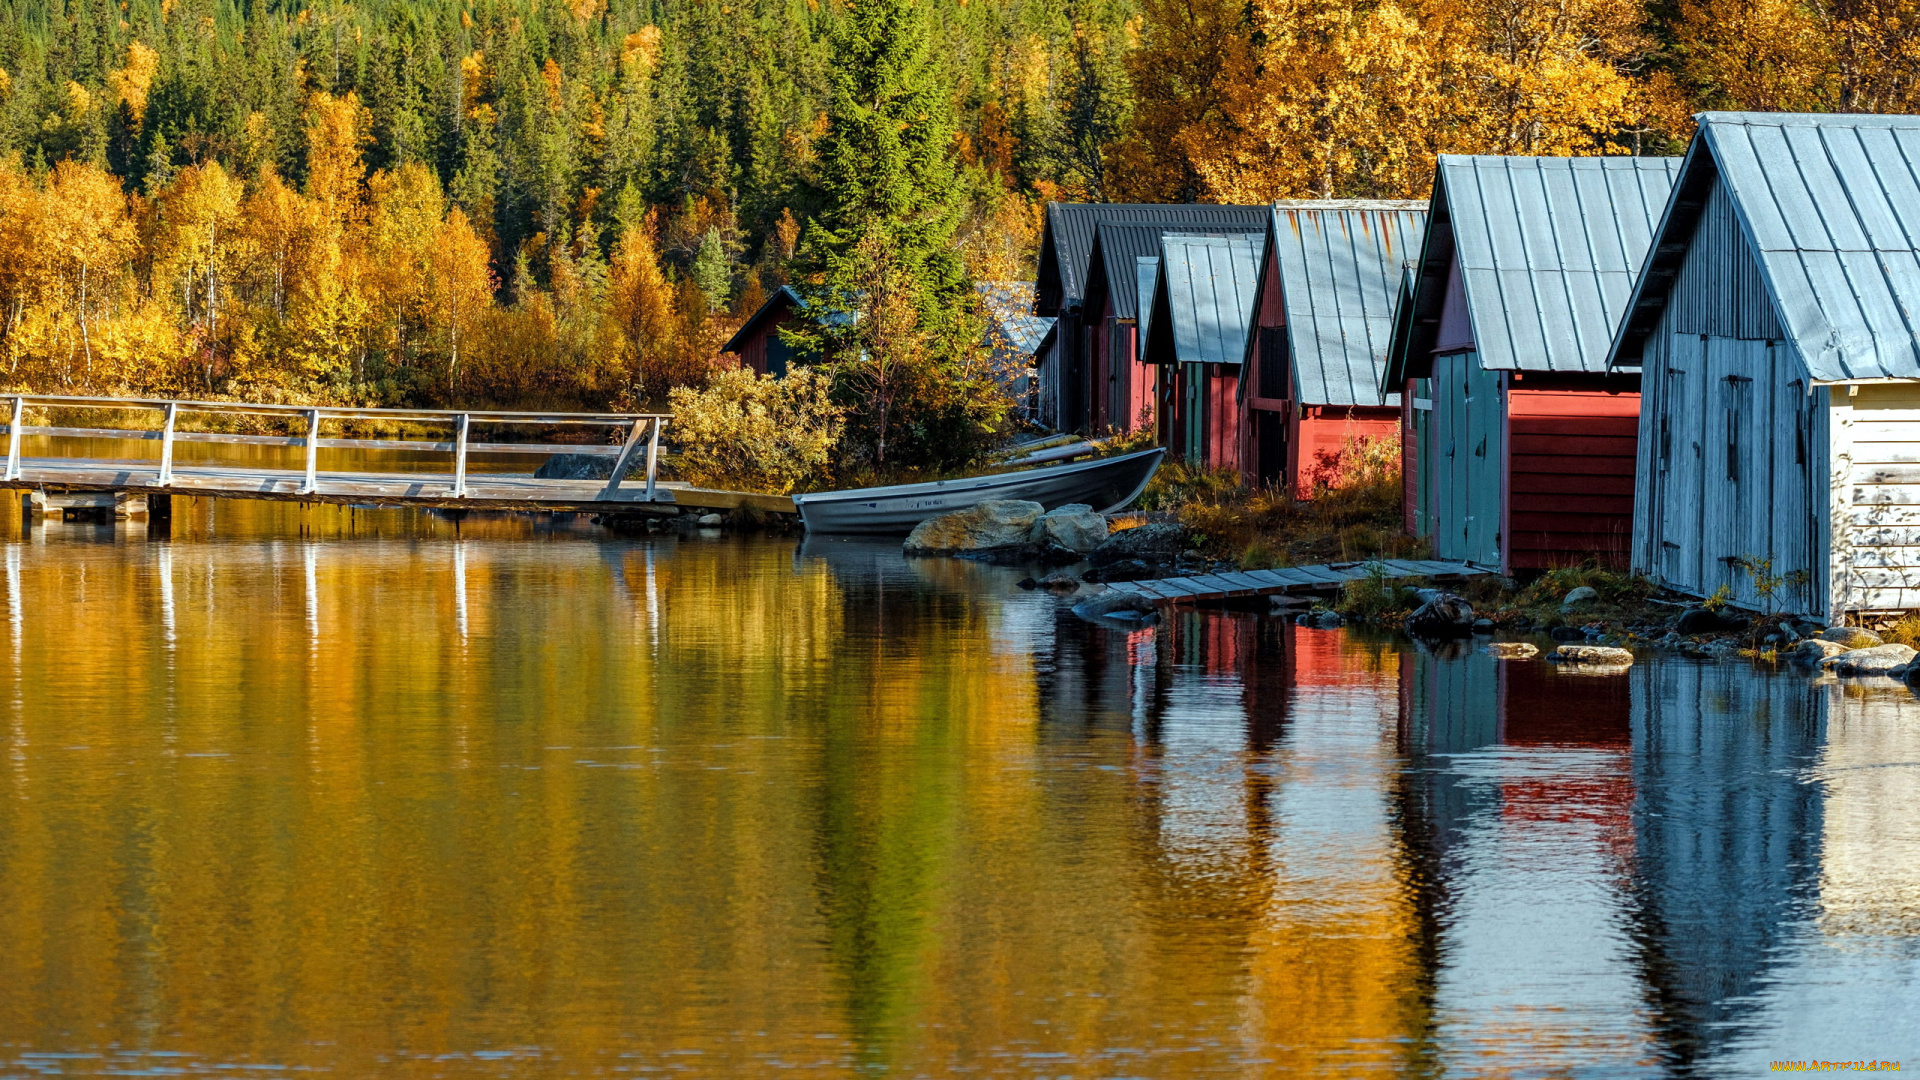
{"points": [[456, 488], [1293, 580]]}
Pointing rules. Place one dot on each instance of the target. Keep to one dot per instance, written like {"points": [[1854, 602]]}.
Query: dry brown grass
{"points": [[1355, 513]]}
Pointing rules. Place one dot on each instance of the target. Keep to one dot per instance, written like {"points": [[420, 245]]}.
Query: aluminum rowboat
{"points": [[1106, 484]]}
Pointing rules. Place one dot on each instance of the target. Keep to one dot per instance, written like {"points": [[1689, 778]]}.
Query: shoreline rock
{"points": [[986, 526], [1889, 660], [1513, 650], [1601, 655]]}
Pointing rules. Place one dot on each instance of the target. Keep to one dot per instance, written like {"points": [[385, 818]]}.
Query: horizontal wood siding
{"points": [[1879, 551], [1570, 474], [1324, 431]]}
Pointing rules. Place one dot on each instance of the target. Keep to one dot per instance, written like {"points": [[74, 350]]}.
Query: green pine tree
{"points": [[888, 184], [710, 270], [881, 249]]}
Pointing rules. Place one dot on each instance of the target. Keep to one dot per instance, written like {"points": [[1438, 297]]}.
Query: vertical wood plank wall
{"points": [[1100, 371], [1465, 452], [1735, 462], [1737, 472], [1571, 472]]}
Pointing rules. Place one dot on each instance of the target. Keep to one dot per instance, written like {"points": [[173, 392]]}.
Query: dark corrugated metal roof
{"points": [[783, 299], [1830, 205], [1210, 284], [1111, 272], [1340, 266], [1549, 251], [1066, 239]]}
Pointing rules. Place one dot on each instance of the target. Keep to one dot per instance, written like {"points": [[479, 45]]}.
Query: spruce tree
{"points": [[881, 248], [888, 186]]}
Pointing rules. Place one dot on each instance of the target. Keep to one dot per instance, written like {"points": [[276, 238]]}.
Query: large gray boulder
{"points": [[1074, 526], [1113, 603], [588, 467], [996, 523], [1874, 660], [1155, 543]]}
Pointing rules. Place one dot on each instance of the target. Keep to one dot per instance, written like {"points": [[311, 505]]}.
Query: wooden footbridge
{"points": [[96, 459]]}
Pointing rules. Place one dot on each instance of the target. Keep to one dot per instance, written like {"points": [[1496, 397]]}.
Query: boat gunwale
{"points": [[928, 486]]}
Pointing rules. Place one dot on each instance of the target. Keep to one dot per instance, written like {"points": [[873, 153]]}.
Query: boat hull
{"points": [[1106, 484]]}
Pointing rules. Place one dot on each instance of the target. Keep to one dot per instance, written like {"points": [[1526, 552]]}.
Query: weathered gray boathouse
{"points": [[1774, 327]]}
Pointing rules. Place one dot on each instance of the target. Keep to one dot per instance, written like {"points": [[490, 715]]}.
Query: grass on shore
{"points": [[1354, 514]]}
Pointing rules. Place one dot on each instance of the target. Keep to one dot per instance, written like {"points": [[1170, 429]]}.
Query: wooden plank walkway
{"points": [[1293, 579]]}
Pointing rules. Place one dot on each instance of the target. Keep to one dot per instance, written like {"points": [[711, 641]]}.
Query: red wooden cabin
{"points": [[1322, 326], [1196, 335], [1524, 441]]}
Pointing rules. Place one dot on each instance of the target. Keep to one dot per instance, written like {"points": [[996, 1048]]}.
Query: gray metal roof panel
{"points": [[1340, 268], [1211, 283], [1146, 269], [1548, 248], [1070, 229], [1113, 269], [1831, 207], [1014, 328]]}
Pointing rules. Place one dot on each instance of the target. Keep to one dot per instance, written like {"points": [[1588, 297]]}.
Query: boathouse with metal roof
{"points": [[1068, 388], [1773, 329], [1323, 319], [1521, 439], [1196, 338]]}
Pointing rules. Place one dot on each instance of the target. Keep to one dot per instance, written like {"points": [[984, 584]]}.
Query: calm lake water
{"points": [[367, 794]]}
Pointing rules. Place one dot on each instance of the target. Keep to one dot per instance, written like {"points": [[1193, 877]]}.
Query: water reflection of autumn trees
{"points": [[381, 804]]}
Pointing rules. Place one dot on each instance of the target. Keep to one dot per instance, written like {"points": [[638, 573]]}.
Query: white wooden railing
{"points": [[640, 426]]}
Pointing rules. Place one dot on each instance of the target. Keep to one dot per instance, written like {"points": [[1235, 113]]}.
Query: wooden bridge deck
{"points": [[1295, 579], [458, 488], [484, 491]]}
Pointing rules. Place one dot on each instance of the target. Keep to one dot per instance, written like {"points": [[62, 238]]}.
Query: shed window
{"points": [[1273, 361]]}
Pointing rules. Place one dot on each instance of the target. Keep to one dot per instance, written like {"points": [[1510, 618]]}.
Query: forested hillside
{"points": [[571, 202]]}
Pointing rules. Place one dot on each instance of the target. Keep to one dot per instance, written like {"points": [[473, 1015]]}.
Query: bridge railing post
{"points": [[653, 455], [313, 453], [13, 437], [165, 479], [460, 456]]}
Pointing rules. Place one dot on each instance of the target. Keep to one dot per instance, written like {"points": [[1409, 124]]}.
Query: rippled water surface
{"points": [[370, 794]]}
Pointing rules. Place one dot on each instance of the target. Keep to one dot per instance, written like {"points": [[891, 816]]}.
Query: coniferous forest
{"points": [[573, 202]]}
